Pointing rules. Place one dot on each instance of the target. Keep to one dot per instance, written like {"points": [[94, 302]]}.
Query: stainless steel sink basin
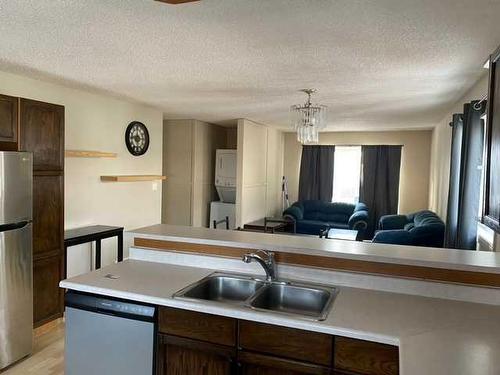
{"points": [[221, 288], [304, 300], [309, 301]]}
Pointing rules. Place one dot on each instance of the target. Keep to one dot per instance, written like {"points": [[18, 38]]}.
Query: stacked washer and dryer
{"points": [[225, 183]]}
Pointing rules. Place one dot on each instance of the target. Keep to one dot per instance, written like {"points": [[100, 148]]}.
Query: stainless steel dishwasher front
{"points": [[108, 336]]}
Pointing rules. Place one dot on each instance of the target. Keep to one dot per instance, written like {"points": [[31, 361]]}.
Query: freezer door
{"points": [[16, 186], [16, 295]]}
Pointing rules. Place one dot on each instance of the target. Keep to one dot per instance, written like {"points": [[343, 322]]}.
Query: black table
{"points": [[271, 225], [93, 233]]}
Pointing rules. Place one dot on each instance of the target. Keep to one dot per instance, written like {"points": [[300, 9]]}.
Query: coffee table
{"points": [[341, 234]]}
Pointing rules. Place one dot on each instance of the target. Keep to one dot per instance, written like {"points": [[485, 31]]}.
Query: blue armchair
{"points": [[312, 217], [423, 228]]}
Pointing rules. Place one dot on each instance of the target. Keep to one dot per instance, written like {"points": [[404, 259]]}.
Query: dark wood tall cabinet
{"points": [[37, 127], [491, 207], [42, 133]]}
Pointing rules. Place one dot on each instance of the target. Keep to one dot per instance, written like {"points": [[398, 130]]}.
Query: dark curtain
{"points": [[379, 185], [465, 178], [316, 173], [453, 192]]}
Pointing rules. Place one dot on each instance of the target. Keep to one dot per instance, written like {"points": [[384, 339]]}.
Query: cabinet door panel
{"points": [[8, 122], [259, 364], [47, 214], [286, 342], [42, 132], [47, 296], [364, 357], [177, 356], [198, 326]]}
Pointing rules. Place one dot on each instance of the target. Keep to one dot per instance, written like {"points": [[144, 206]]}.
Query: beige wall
{"points": [[441, 150], [97, 122], [189, 161], [415, 161], [260, 168], [177, 166]]}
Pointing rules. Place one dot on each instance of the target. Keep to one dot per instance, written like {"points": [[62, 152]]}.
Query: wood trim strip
{"points": [[332, 263]]}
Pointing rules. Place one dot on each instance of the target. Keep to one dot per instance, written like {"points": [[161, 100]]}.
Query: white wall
{"points": [[259, 173], [441, 150], [98, 122]]}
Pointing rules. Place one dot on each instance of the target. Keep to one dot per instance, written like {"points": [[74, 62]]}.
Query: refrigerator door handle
{"points": [[13, 226]]}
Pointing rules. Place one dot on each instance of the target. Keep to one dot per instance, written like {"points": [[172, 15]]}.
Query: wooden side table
{"points": [[271, 225]]}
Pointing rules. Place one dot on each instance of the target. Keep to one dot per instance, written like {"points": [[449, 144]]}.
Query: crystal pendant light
{"points": [[308, 119]]}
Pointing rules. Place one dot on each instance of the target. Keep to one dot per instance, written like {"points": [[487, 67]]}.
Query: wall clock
{"points": [[137, 138]]}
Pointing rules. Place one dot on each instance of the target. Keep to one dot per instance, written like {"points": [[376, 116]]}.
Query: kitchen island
{"points": [[433, 335]]}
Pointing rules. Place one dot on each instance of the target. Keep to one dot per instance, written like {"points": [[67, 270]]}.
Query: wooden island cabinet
{"points": [[38, 127], [202, 344]]}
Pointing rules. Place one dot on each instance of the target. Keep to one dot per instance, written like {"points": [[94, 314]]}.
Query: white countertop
{"points": [[435, 336], [408, 255]]}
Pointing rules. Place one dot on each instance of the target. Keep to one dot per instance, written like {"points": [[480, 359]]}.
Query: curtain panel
{"points": [[464, 193], [316, 173], [379, 184], [450, 237]]}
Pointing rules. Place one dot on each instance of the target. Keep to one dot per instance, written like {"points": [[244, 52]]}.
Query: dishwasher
{"points": [[108, 336]]}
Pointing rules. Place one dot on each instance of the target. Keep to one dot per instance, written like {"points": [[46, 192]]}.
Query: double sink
{"points": [[309, 301]]}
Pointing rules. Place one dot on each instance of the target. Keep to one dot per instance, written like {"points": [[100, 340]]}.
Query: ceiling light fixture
{"points": [[308, 119], [174, 2]]}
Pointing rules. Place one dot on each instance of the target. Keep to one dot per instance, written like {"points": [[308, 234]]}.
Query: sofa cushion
{"points": [[409, 226], [326, 211], [295, 212]]}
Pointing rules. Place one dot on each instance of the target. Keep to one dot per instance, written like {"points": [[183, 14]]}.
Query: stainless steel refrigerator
{"points": [[16, 275]]}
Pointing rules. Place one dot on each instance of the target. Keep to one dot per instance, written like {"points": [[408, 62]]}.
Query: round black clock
{"points": [[137, 138]]}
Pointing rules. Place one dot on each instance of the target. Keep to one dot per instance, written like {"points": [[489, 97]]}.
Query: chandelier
{"points": [[308, 119]]}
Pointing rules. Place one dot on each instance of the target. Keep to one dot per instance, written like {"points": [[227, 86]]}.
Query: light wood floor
{"points": [[48, 354]]}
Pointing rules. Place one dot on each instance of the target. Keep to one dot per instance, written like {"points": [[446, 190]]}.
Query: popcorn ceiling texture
{"points": [[385, 64]]}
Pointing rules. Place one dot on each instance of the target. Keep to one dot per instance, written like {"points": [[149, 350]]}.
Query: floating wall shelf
{"points": [[88, 154], [132, 178]]}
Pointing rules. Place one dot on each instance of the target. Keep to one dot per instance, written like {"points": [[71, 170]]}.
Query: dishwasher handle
{"points": [[110, 306]]}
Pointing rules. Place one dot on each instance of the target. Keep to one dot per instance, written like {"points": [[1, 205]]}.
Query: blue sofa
{"points": [[312, 217], [423, 228]]}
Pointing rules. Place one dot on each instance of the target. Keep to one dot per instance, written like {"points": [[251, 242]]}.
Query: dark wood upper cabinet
{"points": [[8, 123], [491, 207], [42, 132]]}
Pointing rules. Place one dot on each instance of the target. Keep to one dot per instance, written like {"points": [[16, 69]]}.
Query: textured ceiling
{"points": [[378, 64]]}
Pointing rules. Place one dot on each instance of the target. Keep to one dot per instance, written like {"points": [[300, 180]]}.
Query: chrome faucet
{"points": [[268, 263]]}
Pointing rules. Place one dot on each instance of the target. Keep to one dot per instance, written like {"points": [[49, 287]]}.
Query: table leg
{"points": [[65, 273], [97, 254], [120, 247]]}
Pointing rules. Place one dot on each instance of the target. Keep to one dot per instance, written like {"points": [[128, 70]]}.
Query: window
{"points": [[346, 174]]}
